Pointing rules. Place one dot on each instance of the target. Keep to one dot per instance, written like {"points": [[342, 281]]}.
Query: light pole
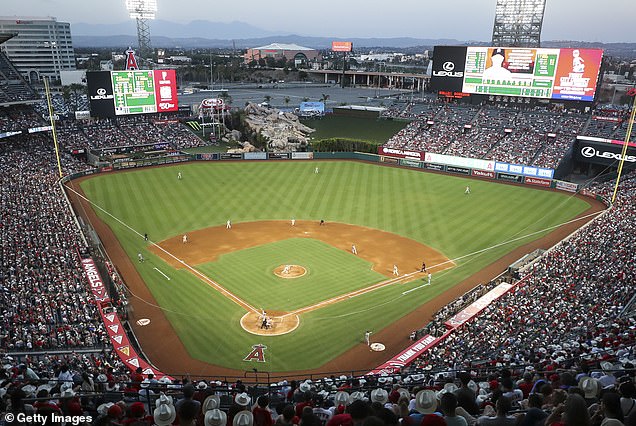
{"points": [[52, 46]]}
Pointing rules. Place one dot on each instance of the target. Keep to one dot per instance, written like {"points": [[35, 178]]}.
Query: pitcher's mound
{"points": [[290, 271], [274, 324]]}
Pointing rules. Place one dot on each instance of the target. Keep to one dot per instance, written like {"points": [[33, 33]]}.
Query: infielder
{"points": [[293, 222], [228, 224], [353, 249], [467, 191], [185, 238], [286, 269], [367, 337], [395, 270]]}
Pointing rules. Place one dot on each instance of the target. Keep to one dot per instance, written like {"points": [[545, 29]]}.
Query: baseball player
{"points": [[322, 222], [467, 191], [145, 237], [353, 249], [293, 222], [367, 337], [185, 238], [423, 267], [316, 170], [286, 269], [228, 224], [140, 257], [429, 279], [179, 176], [395, 270]]}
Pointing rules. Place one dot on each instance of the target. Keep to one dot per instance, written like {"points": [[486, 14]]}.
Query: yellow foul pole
{"points": [[52, 119], [625, 145]]}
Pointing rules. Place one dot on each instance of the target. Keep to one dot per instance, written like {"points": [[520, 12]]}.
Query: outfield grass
{"points": [[330, 272], [430, 208], [368, 129]]}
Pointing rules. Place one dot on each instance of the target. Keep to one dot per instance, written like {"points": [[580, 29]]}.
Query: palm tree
{"points": [[287, 100], [324, 98]]}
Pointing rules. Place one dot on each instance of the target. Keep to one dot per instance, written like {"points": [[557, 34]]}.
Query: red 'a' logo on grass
{"points": [[257, 354]]}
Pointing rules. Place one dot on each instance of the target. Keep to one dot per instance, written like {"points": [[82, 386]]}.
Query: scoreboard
{"points": [[134, 92], [114, 93], [567, 74]]}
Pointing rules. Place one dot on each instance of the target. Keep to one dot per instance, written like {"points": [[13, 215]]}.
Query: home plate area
{"points": [[273, 323]]}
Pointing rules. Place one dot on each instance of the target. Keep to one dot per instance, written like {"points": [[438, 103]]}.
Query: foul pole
{"points": [[625, 142], [52, 119]]}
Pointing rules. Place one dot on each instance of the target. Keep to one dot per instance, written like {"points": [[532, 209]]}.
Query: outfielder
{"points": [[316, 170], [228, 224], [179, 176], [467, 191]]}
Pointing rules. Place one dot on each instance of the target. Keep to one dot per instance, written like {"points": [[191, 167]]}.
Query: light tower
{"points": [[518, 23], [142, 11]]}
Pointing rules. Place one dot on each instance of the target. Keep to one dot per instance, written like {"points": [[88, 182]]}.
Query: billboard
{"points": [[569, 74], [341, 46], [114, 93], [588, 150], [100, 93]]}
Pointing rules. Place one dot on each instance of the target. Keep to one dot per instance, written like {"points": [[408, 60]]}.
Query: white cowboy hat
{"points": [[425, 402], [164, 414], [215, 417], [379, 395]]}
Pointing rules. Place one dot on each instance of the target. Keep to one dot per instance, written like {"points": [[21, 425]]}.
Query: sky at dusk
{"points": [[583, 20]]}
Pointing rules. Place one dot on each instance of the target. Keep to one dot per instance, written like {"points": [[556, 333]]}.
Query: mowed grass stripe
{"points": [[429, 208]]}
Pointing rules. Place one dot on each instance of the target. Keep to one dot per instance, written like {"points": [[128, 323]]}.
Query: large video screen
{"points": [[568, 74], [115, 93]]}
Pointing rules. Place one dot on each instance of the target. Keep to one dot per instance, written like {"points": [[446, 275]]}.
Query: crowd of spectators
{"points": [[555, 350], [530, 136]]}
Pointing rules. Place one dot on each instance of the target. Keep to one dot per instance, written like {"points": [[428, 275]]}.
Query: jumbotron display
{"points": [[567, 74], [115, 93]]}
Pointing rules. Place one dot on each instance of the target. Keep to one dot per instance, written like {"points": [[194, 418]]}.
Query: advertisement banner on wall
{"points": [[483, 174], [255, 156], [278, 155], [538, 181], [400, 153], [431, 166], [450, 160], [458, 170], [509, 177], [477, 306], [607, 154], [302, 155], [231, 156], [410, 163], [389, 160], [524, 170], [566, 186]]}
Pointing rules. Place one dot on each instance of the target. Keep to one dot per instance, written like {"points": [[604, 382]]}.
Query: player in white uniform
{"points": [[185, 238], [228, 224], [293, 222], [353, 249], [367, 337], [316, 170], [179, 176], [467, 191], [395, 270], [140, 257]]}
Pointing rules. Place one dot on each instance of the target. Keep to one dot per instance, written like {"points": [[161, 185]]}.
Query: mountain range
{"points": [[206, 34]]}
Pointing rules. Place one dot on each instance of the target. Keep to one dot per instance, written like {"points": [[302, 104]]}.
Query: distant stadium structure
{"points": [[518, 23], [291, 52]]}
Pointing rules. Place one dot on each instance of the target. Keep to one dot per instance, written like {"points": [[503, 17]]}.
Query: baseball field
{"points": [[319, 296]]}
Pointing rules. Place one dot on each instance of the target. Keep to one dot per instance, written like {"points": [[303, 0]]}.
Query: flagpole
{"points": [[625, 145]]}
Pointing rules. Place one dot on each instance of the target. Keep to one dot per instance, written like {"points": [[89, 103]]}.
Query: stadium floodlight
{"points": [[142, 11], [518, 23]]}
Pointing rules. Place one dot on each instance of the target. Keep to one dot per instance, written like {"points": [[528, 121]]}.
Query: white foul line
{"points": [[167, 277], [413, 289]]}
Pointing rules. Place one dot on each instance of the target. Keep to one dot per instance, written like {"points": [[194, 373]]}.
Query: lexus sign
{"points": [[607, 154], [449, 63]]}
